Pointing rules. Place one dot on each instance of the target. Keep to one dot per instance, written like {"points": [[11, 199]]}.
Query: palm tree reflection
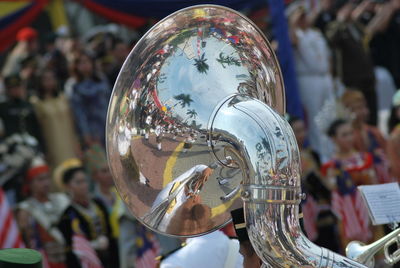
{"points": [[183, 99], [201, 64]]}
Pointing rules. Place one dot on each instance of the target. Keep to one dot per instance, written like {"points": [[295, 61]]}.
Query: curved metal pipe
{"points": [[271, 186]]}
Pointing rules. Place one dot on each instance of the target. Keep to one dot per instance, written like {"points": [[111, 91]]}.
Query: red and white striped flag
{"points": [[147, 248], [148, 259], [354, 215], [382, 173], [310, 214], [86, 254], [45, 259], [9, 232], [363, 215]]}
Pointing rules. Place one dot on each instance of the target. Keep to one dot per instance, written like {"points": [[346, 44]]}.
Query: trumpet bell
{"points": [[361, 253], [166, 164], [364, 254]]}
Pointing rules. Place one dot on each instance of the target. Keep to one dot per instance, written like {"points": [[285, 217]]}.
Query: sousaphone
{"points": [[195, 129]]}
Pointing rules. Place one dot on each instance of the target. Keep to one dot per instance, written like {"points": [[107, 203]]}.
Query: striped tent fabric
{"points": [[9, 234]]}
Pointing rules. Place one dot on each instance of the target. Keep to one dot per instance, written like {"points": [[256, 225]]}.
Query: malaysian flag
{"points": [[84, 251], [310, 213], [348, 205], [45, 260], [381, 167], [9, 232], [147, 248]]}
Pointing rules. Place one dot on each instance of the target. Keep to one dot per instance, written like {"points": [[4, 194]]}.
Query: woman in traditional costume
{"points": [[348, 169], [89, 100], [85, 222], [55, 118], [39, 214], [367, 138]]}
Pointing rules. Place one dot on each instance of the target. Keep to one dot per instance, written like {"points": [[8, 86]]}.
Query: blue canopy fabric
{"points": [[161, 8], [280, 32]]}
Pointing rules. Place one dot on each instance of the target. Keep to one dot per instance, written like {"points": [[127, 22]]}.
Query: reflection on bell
{"points": [[163, 100]]}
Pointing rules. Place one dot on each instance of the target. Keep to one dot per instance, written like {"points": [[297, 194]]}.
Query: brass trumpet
{"points": [[364, 254]]}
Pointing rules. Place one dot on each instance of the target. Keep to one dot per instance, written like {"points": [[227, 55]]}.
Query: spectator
{"points": [[89, 100], [119, 52], [367, 138], [54, 58], [19, 137], [98, 170], [376, 18], [85, 217], [55, 118], [27, 46], [348, 169], [352, 62], [16, 113], [71, 48], [123, 224], [38, 215], [312, 68], [385, 37], [322, 14], [29, 67]]}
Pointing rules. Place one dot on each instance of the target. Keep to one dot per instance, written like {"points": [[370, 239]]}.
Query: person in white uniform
{"points": [[213, 250], [312, 58]]}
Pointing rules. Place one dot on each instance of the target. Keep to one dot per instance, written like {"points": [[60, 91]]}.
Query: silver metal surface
{"points": [[169, 86], [271, 183], [195, 122]]}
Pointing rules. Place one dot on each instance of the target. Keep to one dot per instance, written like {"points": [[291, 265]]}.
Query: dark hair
{"points": [[393, 119], [293, 119], [117, 41], [40, 89], [69, 174], [333, 127], [74, 67]]}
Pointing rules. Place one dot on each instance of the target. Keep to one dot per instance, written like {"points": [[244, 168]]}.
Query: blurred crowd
{"points": [[347, 61], [54, 172], [54, 99]]}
